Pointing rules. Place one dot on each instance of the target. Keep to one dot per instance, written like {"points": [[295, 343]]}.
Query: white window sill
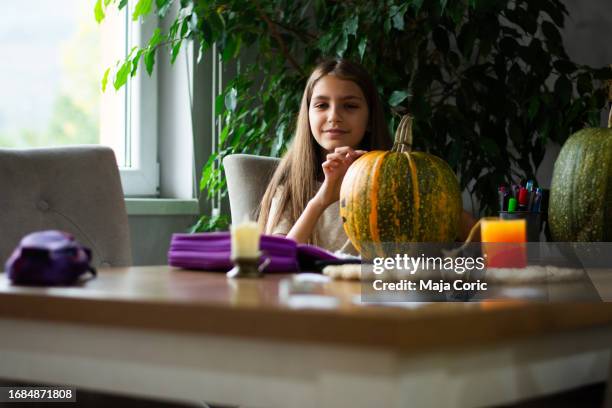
{"points": [[161, 206]]}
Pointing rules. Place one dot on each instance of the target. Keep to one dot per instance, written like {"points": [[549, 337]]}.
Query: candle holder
{"points": [[247, 267]]}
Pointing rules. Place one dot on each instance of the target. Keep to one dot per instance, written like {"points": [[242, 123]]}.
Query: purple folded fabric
{"points": [[48, 258], [212, 251]]}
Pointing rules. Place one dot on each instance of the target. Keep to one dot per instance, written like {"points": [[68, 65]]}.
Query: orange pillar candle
{"points": [[503, 242]]}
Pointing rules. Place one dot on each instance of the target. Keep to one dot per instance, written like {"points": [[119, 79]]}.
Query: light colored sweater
{"points": [[328, 228]]}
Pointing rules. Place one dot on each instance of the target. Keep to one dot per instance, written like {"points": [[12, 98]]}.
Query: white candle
{"points": [[245, 240]]}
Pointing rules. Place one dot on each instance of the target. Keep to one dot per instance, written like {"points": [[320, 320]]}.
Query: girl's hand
{"points": [[334, 169]]}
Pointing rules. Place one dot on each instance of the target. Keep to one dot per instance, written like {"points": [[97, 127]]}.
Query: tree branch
{"points": [[304, 36], [279, 39]]}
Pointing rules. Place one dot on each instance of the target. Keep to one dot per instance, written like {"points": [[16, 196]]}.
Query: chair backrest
{"points": [[247, 178], [75, 189]]}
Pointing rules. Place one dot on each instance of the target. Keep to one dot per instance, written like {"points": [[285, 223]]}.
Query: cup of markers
{"points": [[523, 201]]}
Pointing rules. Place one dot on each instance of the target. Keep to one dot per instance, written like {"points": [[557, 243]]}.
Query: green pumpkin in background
{"points": [[580, 208]]}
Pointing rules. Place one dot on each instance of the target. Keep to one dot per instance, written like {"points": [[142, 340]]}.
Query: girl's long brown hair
{"points": [[300, 168]]}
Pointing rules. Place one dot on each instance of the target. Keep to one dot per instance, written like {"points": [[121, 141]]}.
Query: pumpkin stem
{"points": [[403, 135]]}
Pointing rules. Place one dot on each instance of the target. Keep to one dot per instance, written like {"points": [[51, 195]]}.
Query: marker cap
{"points": [[512, 204]]}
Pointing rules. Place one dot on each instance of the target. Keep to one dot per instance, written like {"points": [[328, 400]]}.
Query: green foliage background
{"points": [[489, 82]]}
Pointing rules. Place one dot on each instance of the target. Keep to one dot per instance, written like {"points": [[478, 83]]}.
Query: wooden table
{"points": [[197, 336]]}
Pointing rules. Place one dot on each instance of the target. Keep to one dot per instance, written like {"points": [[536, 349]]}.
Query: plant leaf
{"points": [[442, 5], [397, 97], [417, 4], [155, 38], [185, 28], [135, 62], [398, 17], [224, 134], [142, 8], [342, 45], [149, 60], [564, 66], [230, 49], [207, 171], [362, 47], [122, 75], [231, 99], [99, 11], [328, 41], [105, 79], [551, 32], [490, 147], [162, 7], [534, 105], [350, 28], [219, 104], [175, 51]]}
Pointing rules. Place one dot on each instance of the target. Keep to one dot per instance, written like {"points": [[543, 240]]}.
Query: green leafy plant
{"points": [[488, 81], [211, 223]]}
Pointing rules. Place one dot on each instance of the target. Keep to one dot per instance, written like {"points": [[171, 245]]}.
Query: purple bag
{"points": [[212, 251], [48, 258]]}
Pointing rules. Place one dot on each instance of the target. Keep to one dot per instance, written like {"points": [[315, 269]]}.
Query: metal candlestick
{"points": [[246, 268]]}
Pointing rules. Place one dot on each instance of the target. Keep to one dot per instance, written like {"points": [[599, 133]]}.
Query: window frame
{"points": [[142, 177]]}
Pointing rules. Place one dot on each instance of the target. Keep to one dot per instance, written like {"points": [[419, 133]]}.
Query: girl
{"points": [[340, 118]]}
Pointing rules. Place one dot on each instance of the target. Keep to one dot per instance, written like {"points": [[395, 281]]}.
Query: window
{"points": [[129, 116], [54, 57]]}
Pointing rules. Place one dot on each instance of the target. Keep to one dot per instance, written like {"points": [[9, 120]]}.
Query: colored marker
{"points": [[512, 204], [537, 201], [523, 199]]}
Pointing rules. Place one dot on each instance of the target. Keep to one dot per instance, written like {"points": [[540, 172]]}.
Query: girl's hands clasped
{"points": [[334, 169]]}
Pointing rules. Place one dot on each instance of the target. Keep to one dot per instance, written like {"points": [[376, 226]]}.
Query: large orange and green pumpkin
{"points": [[580, 208], [399, 196]]}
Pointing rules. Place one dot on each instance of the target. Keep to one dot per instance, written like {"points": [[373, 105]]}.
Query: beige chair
{"points": [[247, 178], [74, 189]]}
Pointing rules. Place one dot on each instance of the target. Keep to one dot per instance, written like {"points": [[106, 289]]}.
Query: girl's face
{"points": [[338, 113]]}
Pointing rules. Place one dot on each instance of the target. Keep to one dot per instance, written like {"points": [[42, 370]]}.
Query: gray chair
{"points": [[247, 178], [75, 189]]}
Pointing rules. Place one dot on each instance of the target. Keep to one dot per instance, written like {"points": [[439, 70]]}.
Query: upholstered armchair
{"points": [[75, 189], [247, 178]]}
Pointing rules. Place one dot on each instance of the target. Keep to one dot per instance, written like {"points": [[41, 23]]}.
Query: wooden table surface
{"points": [[167, 299]]}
